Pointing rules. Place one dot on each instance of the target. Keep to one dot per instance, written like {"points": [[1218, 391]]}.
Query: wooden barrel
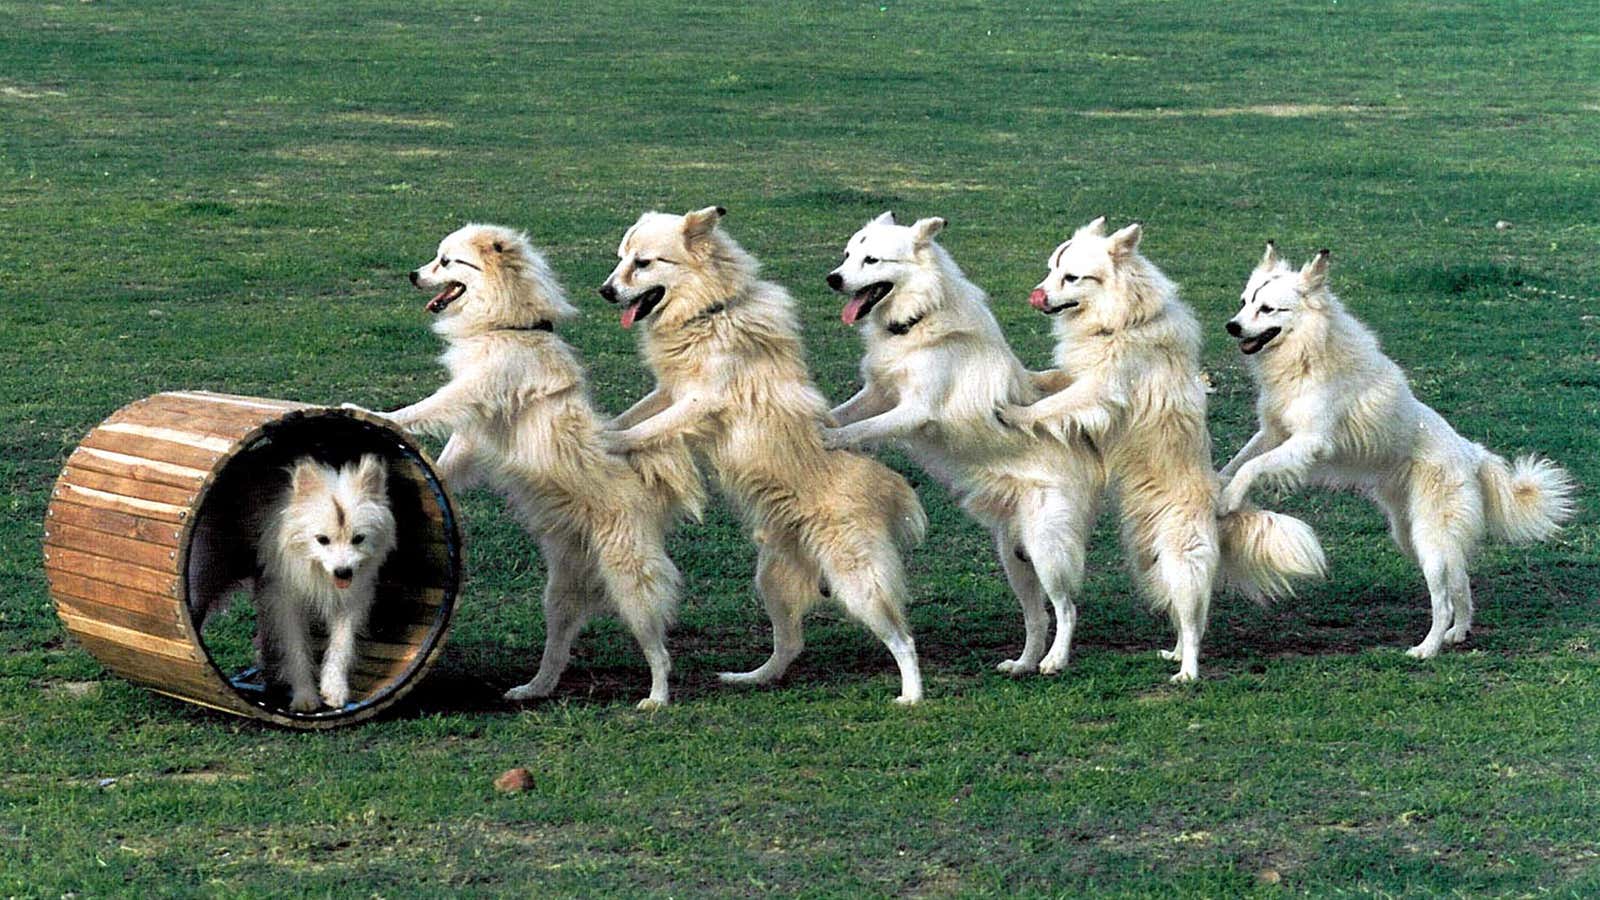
{"points": [[120, 545]]}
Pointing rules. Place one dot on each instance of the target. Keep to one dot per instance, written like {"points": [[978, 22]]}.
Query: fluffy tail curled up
{"points": [[1263, 553], [1525, 501]]}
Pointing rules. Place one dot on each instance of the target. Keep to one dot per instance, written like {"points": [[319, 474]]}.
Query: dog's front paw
{"points": [[651, 704], [1232, 498], [335, 694], [304, 701]]}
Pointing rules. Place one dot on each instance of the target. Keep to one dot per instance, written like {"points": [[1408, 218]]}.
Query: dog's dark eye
{"points": [[322, 539], [1069, 278], [870, 260], [357, 539], [444, 261], [642, 263], [1267, 309]]}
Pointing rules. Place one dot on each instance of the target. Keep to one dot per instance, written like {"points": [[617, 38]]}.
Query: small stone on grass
{"points": [[514, 781]]}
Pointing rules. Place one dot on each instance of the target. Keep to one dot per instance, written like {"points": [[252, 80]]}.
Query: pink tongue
{"points": [[1038, 298], [852, 310], [629, 314], [341, 583]]}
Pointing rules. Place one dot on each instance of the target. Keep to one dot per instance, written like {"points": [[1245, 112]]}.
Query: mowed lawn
{"points": [[227, 196]]}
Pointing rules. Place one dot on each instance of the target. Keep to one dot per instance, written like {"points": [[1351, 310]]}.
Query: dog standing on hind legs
{"points": [[936, 366], [1131, 349], [518, 416], [731, 377], [1334, 410]]}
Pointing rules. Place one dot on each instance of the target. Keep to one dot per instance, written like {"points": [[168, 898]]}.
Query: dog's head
{"points": [[1274, 299], [883, 264], [673, 268], [485, 277], [1098, 276], [340, 518]]}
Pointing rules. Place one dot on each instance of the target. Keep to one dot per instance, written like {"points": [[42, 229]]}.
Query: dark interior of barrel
{"points": [[417, 581]]}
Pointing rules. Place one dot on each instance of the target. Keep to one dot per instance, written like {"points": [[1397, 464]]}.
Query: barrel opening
{"points": [[417, 582]]}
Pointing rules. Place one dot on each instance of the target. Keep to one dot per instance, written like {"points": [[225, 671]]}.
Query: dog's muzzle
{"points": [[1254, 344], [642, 305], [1041, 301], [451, 293], [863, 301]]}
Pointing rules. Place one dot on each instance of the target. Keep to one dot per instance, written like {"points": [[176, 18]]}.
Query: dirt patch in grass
{"points": [[1269, 110]]}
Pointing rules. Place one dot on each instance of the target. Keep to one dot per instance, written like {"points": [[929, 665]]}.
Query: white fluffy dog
{"points": [[936, 367], [731, 377], [1335, 410], [518, 414], [1131, 350], [320, 554]]}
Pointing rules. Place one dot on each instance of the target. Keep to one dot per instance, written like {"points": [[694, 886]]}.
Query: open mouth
{"points": [[864, 300], [342, 583], [451, 293], [643, 305], [1251, 345], [1041, 301]]}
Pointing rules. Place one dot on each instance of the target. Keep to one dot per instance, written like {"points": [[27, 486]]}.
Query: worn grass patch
{"points": [[228, 197]]}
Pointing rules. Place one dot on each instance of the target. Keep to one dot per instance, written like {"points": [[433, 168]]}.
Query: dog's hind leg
{"points": [[1055, 529], [1025, 585], [1444, 566], [867, 577], [643, 583], [1185, 574], [569, 591], [787, 583]]}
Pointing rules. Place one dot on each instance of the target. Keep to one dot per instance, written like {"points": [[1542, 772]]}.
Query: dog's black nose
{"points": [[413, 274], [1233, 328], [836, 281], [344, 572], [608, 293]]}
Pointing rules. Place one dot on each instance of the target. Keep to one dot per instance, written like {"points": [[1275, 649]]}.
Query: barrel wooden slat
{"points": [[189, 676], [114, 521], [71, 537], [213, 418], [116, 571], [139, 445], [127, 487], [122, 524], [76, 584], [158, 624], [134, 506]]}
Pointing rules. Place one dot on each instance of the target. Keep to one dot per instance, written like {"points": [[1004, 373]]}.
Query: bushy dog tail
{"points": [[906, 516], [1263, 553], [1525, 501], [669, 471]]}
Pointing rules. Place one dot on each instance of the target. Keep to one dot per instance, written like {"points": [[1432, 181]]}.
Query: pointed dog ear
{"points": [[1314, 277], [1269, 259], [701, 222], [305, 477], [887, 218], [372, 476], [923, 230], [1124, 242], [1096, 228]]}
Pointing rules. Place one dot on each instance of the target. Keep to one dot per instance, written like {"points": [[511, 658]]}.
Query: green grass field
{"points": [[227, 197]]}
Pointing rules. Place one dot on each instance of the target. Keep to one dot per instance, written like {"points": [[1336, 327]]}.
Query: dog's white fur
{"points": [[731, 376], [1132, 351], [936, 367], [320, 555], [519, 417], [1334, 410]]}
